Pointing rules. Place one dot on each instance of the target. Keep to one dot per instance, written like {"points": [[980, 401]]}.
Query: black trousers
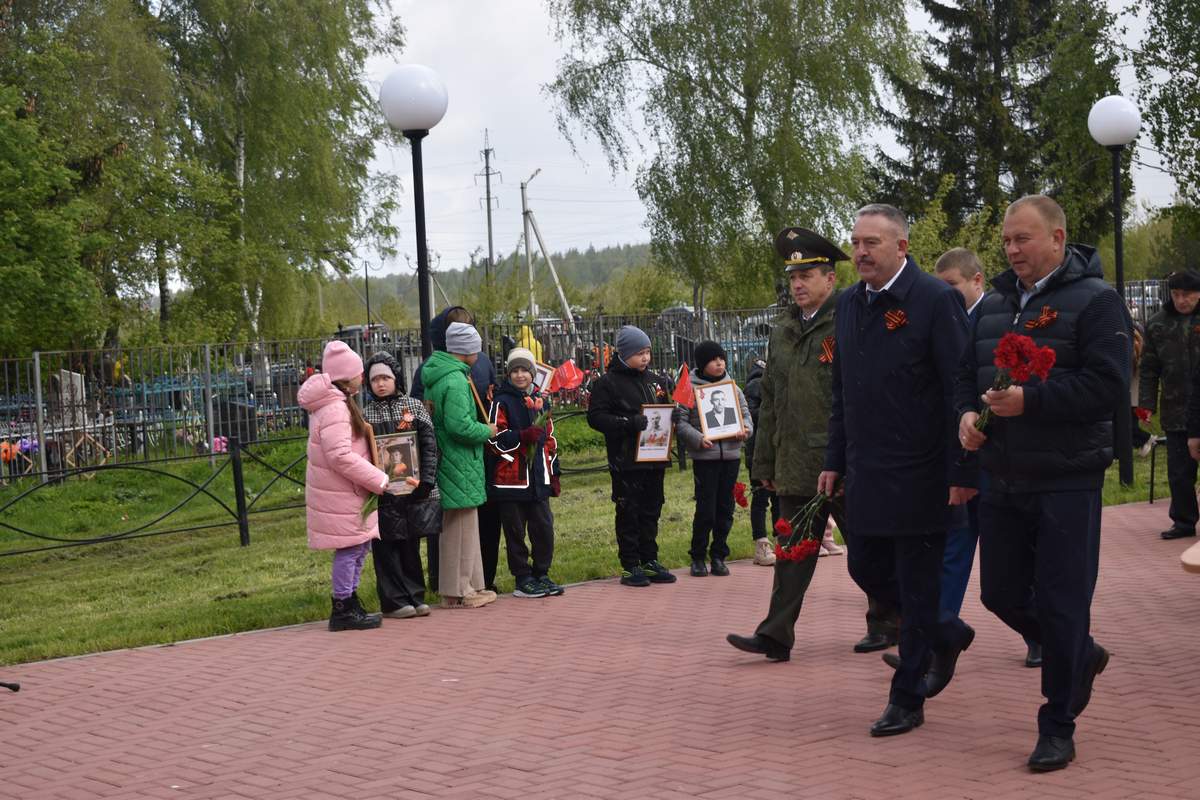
{"points": [[533, 517], [1181, 477], [760, 498], [1045, 544], [714, 482], [432, 543], [398, 576], [905, 572], [791, 581], [638, 495], [489, 542]]}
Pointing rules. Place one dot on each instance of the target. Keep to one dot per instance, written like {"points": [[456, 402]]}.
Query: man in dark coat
{"points": [[1044, 452], [1170, 356], [900, 334]]}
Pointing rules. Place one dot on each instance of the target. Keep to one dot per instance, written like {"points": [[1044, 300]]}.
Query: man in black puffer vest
{"points": [[1044, 453]]}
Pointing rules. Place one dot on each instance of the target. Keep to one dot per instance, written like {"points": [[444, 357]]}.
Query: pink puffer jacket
{"points": [[340, 474]]}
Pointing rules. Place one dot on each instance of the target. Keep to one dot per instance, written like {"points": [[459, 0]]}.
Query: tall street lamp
{"points": [[1114, 122], [413, 99]]}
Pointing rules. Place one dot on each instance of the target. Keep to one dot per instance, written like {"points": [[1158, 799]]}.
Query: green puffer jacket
{"points": [[460, 434], [797, 392], [1170, 355]]}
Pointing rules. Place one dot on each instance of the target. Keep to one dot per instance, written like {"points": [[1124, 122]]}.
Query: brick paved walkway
{"points": [[613, 692]]}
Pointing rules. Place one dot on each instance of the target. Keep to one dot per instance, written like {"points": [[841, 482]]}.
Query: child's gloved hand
{"points": [[639, 422], [422, 491], [531, 435]]}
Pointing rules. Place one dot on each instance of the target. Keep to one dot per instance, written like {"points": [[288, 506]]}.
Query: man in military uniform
{"points": [[1171, 355], [790, 445]]}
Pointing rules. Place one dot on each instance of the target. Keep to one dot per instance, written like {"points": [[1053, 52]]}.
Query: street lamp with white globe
{"points": [[413, 99], [1114, 122]]}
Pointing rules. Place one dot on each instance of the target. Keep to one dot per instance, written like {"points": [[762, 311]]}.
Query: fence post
{"points": [[40, 418], [208, 406], [239, 489]]}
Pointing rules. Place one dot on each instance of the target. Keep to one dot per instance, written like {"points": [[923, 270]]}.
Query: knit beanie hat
{"points": [[339, 362], [463, 339], [630, 341], [519, 357], [380, 368], [1186, 279], [706, 351]]}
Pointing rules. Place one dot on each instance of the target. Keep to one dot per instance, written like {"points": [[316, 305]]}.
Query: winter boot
{"points": [[354, 601], [347, 616]]}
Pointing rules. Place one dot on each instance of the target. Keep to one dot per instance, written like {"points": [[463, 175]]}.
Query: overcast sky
{"points": [[494, 57]]}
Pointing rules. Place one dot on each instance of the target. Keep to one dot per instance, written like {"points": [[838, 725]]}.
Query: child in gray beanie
{"points": [[615, 409]]}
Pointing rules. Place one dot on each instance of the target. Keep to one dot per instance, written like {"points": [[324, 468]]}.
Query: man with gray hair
{"points": [[900, 334]]}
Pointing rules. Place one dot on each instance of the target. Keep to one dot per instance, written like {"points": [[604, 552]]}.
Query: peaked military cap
{"points": [[801, 248]]}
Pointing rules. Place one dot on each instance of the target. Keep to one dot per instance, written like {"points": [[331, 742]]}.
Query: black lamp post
{"points": [[414, 99], [1114, 122]]}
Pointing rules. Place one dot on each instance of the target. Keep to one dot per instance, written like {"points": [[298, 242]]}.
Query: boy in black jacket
{"points": [[615, 409], [522, 469]]}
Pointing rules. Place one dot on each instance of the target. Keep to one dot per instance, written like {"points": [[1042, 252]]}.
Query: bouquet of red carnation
{"points": [[802, 540], [739, 494], [1017, 359]]}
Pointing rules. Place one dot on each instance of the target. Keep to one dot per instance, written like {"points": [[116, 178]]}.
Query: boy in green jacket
{"points": [[460, 477]]}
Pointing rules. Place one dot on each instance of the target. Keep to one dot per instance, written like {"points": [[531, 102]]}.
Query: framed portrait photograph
{"points": [[542, 373], [400, 459], [720, 414], [654, 443]]}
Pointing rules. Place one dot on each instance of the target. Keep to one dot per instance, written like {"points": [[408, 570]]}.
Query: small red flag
{"points": [[683, 389], [567, 376]]}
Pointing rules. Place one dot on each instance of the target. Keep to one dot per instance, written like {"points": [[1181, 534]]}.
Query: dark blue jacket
{"points": [[1064, 438], [510, 476], [892, 429], [483, 372]]}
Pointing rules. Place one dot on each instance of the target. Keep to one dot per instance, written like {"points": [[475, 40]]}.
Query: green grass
{"points": [[185, 585]]}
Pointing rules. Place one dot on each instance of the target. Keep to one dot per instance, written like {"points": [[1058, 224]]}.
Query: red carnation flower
{"points": [[783, 527], [739, 494]]}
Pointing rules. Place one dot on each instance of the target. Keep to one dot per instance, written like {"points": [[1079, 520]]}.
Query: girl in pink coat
{"points": [[341, 475]]}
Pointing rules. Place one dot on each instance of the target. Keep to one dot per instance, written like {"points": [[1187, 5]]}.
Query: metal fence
{"points": [[63, 410]]}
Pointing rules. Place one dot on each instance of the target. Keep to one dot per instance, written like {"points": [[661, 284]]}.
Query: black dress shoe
{"points": [[1177, 533], [1033, 656], [761, 645], [1051, 753], [698, 569], [891, 659], [718, 567], [941, 669], [897, 720], [1095, 666], [874, 641]]}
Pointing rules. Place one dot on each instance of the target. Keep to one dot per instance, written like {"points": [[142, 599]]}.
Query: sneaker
{"points": [[479, 599], [551, 587], [530, 587], [831, 548], [423, 610], [404, 612], [764, 553], [657, 573], [634, 577]]}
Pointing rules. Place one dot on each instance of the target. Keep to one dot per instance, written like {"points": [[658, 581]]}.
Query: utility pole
{"points": [[525, 212], [487, 174]]}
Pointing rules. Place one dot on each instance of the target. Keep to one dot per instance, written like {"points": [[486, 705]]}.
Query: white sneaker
{"points": [[764, 553], [831, 548], [404, 612]]}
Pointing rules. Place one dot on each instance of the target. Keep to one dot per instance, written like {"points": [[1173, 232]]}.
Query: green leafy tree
{"points": [[1168, 70], [1001, 103], [49, 298], [751, 110]]}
